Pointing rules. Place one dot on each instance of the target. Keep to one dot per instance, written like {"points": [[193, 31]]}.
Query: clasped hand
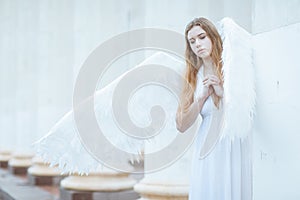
{"points": [[212, 83]]}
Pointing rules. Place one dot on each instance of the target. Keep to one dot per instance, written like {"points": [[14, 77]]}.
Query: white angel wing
{"points": [[62, 145], [239, 79]]}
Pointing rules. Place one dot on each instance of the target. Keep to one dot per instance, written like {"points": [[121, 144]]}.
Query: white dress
{"points": [[225, 174]]}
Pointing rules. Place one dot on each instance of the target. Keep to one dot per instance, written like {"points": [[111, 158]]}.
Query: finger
{"points": [[205, 79], [215, 76], [215, 79], [216, 83], [206, 82]]}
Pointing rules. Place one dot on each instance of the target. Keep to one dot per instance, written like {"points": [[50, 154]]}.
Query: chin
{"points": [[203, 56]]}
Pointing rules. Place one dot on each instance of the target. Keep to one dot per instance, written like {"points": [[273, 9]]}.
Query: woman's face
{"points": [[200, 43]]}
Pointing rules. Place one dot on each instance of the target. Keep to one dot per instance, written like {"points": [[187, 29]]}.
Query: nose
{"points": [[198, 43]]}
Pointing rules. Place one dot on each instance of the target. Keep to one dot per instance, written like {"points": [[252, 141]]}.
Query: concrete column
{"points": [[95, 22], [53, 67], [107, 184], [8, 52], [40, 173], [168, 183], [5, 156], [18, 97], [55, 62], [20, 162], [26, 74]]}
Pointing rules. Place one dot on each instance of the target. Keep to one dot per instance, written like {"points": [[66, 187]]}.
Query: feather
{"points": [[239, 79], [62, 145]]}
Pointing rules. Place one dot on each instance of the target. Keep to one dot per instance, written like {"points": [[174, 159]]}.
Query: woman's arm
{"points": [[185, 119]]}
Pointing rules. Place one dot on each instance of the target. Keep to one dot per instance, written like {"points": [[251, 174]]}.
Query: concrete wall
{"points": [[271, 14], [174, 14], [276, 149], [276, 138]]}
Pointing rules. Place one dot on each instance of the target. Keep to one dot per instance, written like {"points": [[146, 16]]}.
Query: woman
{"points": [[224, 174]]}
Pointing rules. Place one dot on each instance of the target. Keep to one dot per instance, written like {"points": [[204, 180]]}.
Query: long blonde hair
{"points": [[193, 62]]}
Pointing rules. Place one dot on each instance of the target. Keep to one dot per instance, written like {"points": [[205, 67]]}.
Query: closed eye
{"points": [[202, 36], [192, 41]]}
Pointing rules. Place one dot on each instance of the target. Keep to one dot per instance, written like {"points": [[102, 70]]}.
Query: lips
{"points": [[200, 50]]}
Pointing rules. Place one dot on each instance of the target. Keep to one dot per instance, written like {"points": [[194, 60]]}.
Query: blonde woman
{"points": [[224, 173]]}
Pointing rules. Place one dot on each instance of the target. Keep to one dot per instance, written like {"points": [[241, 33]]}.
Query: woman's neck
{"points": [[208, 66]]}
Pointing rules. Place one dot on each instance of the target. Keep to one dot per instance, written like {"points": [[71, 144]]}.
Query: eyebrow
{"points": [[197, 36]]}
